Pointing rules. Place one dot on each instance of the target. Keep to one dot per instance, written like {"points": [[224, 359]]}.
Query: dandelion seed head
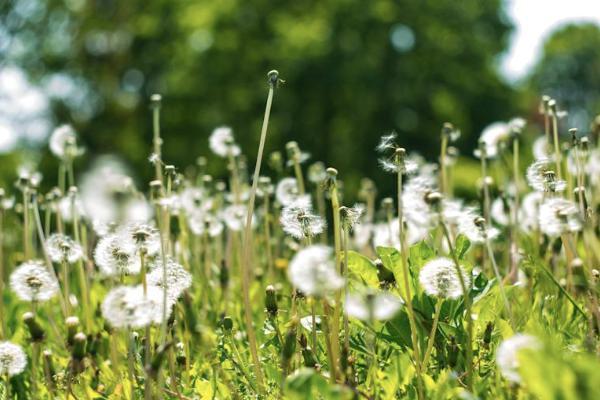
{"points": [[287, 191], [116, 254], [62, 248], [204, 222], [12, 359], [312, 271], [32, 281], [178, 279], [222, 142], [351, 216], [507, 355], [129, 307], [63, 142], [439, 278], [372, 306], [298, 220], [558, 216], [234, 217]]}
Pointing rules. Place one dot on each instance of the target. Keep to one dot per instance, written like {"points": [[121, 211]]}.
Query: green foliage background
{"points": [[353, 69]]}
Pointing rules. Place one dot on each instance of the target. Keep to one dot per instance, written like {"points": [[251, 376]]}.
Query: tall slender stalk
{"points": [[156, 100], [399, 160], [467, 301], [273, 77], [335, 324], [557, 157], [431, 340]]}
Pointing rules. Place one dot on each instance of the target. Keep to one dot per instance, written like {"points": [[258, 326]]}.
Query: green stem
{"points": [[467, 301], [248, 244], [431, 340], [335, 336]]}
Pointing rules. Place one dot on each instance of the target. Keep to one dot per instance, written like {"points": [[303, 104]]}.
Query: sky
{"points": [[534, 21]]}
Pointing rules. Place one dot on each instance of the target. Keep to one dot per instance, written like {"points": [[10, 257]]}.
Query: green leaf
{"points": [[462, 246], [361, 269], [397, 330], [307, 383], [392, 260]]}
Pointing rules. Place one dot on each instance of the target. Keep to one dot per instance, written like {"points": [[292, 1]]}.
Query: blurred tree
{"points": [[569, 70], [353, 69]]}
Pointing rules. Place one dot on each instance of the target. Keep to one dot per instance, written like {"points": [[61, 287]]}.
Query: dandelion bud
{"points": [[72, 324], [157, 360], [552, 106], [487, 334], [447, 128], [579, 280], [49, 371], [79, 341], [155, 100], [308, 355], [35, 330], [289, 345], [224, 275], [227, 324], [271, 300], [273, 77], [292, 149], [573, 132], [387, 203], [400, 153], [584, 144]]}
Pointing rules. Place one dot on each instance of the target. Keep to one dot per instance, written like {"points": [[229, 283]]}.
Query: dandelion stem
{"points": [[431, 339], [273, 79], [406, 274], [467, 301]]}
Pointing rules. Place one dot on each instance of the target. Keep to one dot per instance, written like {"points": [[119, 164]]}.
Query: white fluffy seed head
{"points": [[372, 307], [178, 279], [116, 255], [312, 271], [32, 281], [507, 355], [558, 216], [12, 359], [439, 278], [222, 142], [287, 191], [62, 248], [297, 219], [63, 142], [129, 307]]}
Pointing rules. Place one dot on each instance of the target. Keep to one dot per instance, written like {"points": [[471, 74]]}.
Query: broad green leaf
{"points": [[307, 383], [392, 260], [462, 246], [361, 269]]}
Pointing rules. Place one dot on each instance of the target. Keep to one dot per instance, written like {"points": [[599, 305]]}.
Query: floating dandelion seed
{"points": [[507, 355], [371, 306], [439, 278], [222, 142], [129, 307], [12, 359], [313, 272], [32, 281], [387, 142], [558, 216], [62, 248], [297, 219]]}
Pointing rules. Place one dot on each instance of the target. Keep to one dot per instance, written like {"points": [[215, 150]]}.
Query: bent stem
{"points": [[273, 79]]}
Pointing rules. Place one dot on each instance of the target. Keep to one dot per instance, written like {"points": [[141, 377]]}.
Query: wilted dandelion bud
{"points": [[308, 355], [12, 359], [273, 77], [35, 330], [439, 278], [49, 366], [289, 345], [487, 334], [154, 366], [79, 341], [72, 324], [170, 170], [271, 300], [552, 106]]}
